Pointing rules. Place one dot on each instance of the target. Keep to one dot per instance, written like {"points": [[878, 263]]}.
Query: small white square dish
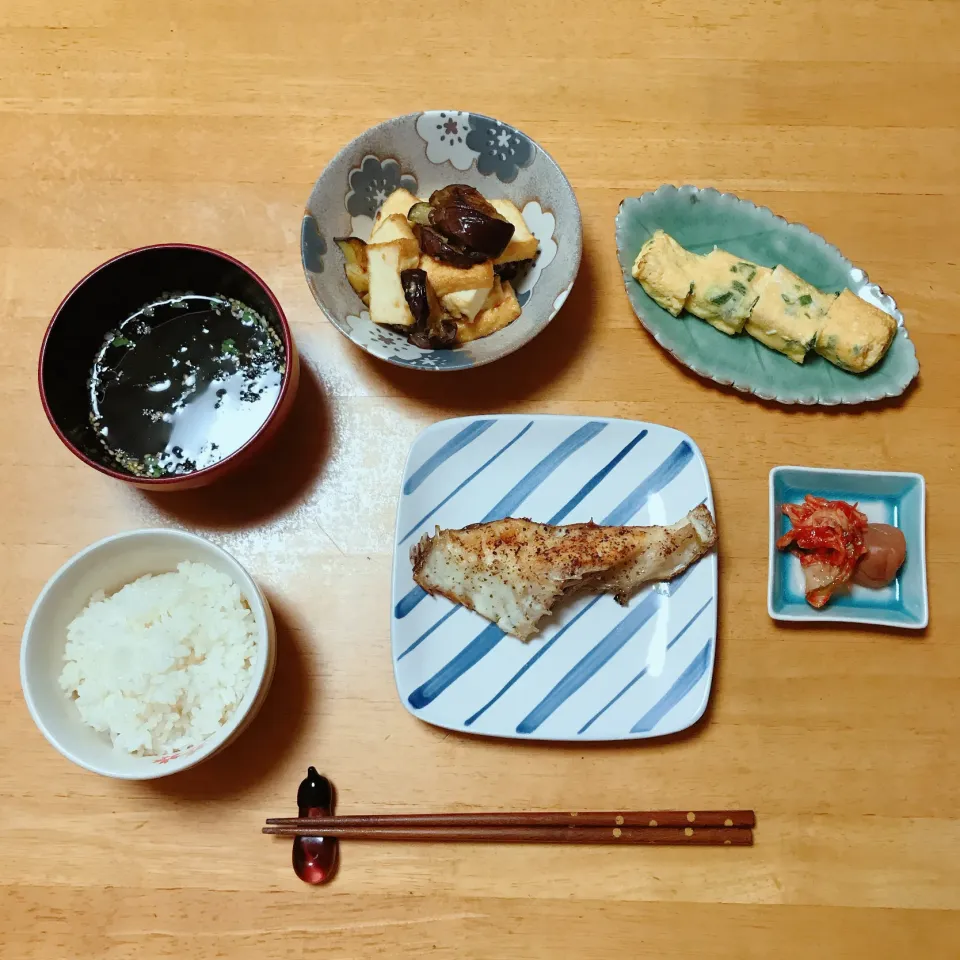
{"points": [[898, 499], [597, 670]]}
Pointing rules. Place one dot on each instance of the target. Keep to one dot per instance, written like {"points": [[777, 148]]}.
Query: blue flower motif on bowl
{"points": [[396, 348], [372, 182], [501, 149], [312, 245], [442, 360], [445, 134]]}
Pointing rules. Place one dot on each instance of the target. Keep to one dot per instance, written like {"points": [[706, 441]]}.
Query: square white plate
{"points": [[596, 671]]}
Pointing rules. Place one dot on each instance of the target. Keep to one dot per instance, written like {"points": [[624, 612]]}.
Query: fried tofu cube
{"points": [[388, 305], [523, 244], [496, 294], [665, 271], [465, 304], [396, 228], [788, 314], [446, 279], [725, 290], [855, 334], [400, 201], [492, 317]]}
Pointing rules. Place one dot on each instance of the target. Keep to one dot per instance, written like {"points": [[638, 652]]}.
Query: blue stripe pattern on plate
{"points": [[524, 487], [667, 471], [591, 663], [455, 444], [685, 683], [641, 674], [543, 650], [569, 682]]}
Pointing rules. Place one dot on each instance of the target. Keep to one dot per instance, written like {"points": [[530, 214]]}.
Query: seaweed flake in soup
{"points": [[184, 382]]}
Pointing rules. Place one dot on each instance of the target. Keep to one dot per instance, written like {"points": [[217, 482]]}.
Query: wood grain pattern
{"points": [[129, 123]]}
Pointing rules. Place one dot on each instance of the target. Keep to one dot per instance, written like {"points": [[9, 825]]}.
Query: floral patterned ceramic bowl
{"points": [[423, 152]]}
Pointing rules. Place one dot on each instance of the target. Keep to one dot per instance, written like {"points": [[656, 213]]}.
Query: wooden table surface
{"points": [[130, 123]]}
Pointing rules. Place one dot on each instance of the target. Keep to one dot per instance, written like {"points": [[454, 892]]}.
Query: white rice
{"points": [[161, 664]]}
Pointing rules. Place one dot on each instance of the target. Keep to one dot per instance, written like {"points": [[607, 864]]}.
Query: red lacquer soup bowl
{"points": [[104, 300]]}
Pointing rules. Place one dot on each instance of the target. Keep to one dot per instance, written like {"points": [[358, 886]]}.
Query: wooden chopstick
{"points": [[653, 827], [605, 818], [653, 836]]}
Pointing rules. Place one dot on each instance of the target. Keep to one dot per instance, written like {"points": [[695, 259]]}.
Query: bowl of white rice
{"points": [[146, 653]]}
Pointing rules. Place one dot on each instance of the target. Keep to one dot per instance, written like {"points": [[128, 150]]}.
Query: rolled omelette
{"points": [[789, 314], [725, 290], [776, 307], [855, 334], [664, 270]]}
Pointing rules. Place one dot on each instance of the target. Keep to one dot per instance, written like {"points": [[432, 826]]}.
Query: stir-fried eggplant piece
{"points": [[420, 213], [445, 335], [472, 230], [415, 290], [466, 219], [355, 256], [464, 195], [445, 339], [509, 271], [421, 339], [354, 251], [433, 331], [440, 248]]}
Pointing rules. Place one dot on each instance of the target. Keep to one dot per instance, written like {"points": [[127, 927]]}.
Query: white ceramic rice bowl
{"points": [[108, 565]]}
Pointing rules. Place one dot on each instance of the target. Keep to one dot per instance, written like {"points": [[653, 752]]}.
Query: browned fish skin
{"points": [[512, 571]]}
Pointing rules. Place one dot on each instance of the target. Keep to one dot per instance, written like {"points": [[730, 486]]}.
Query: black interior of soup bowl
{"points": [[108, 296]]}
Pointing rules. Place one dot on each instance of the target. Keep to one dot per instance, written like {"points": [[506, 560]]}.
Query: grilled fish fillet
{"points": [[513, 571]]}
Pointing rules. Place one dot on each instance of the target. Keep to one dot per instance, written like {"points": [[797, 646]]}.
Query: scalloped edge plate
{"points": [[760, 235]]}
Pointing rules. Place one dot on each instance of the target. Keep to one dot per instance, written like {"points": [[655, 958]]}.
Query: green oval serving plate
{"points": [[700, 219]]}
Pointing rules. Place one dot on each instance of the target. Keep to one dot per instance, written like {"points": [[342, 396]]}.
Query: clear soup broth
{"points": [[184, 382]]}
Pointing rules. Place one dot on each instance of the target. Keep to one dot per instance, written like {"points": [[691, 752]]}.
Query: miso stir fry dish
{"points": [[440, 270]]}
